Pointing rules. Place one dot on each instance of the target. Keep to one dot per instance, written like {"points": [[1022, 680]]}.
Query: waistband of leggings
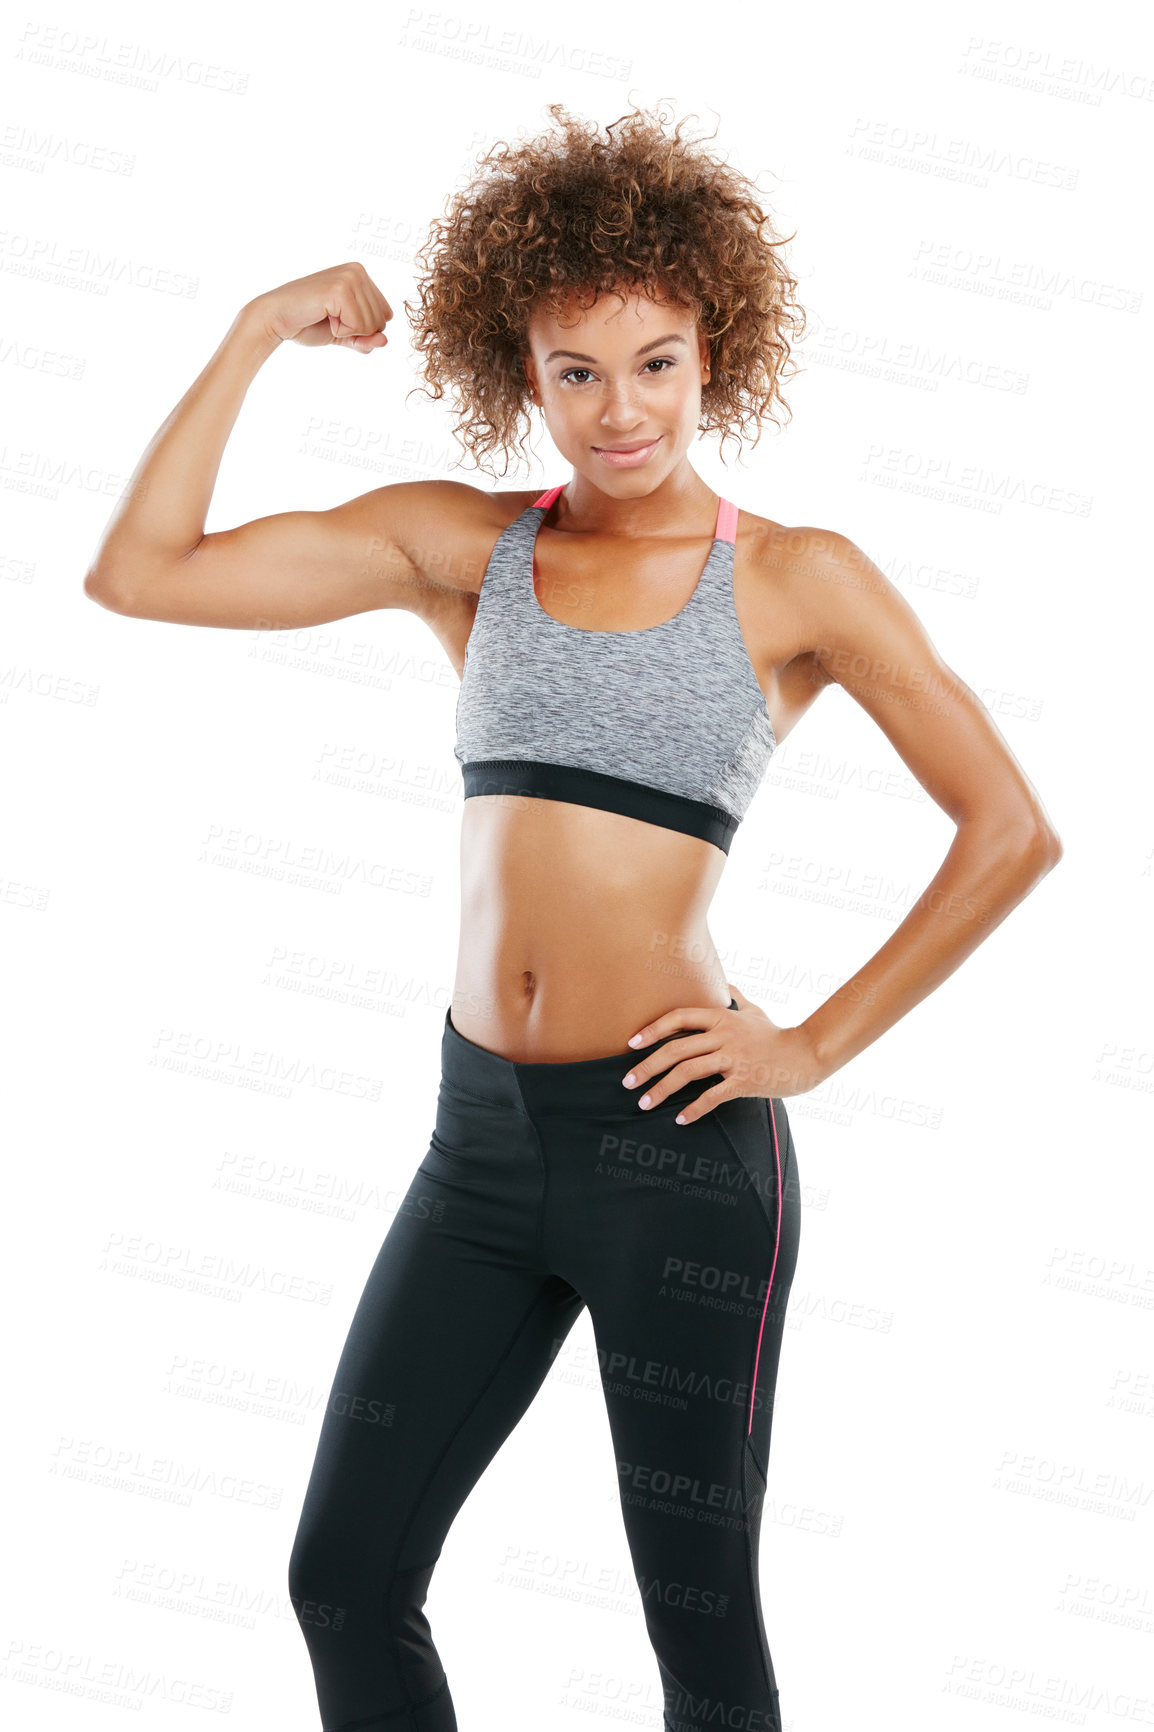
{"points": [[584, 1085]]}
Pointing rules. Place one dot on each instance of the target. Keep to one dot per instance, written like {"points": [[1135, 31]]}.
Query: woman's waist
{"points": [[577, 926], [563, 997], [550, 858]]}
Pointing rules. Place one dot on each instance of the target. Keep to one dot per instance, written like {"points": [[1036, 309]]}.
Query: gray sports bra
{"points": [[667, 724]]}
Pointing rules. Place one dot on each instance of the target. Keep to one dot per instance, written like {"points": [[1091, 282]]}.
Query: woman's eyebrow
{"points": [[657, 343]]}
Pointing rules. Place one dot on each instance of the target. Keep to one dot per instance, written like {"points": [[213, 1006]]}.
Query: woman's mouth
{"points": [[628, 459]]}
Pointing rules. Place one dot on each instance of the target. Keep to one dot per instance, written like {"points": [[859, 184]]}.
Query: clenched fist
{"points": [[341, 305]]}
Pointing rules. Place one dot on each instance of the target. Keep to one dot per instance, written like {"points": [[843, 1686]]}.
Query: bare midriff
{"points": [[578, 927]]}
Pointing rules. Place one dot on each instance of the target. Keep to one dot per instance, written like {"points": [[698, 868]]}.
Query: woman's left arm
{"points": [[866, 637], [872, 643]]}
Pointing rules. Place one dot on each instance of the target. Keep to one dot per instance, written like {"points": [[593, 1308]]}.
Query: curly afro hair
{"points": [[578, 213]]}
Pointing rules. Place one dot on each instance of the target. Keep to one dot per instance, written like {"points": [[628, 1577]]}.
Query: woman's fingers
{"points": [[689, 1070], [705, 1016], [673, 1053]]}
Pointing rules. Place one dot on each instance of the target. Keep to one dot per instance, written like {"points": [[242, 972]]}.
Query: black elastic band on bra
{"points": [[545, 781]]}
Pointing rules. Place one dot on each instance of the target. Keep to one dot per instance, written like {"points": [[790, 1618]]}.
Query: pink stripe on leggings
{"points": [[769, 1289]]}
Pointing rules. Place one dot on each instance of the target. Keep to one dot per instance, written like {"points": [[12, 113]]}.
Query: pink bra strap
{"points": [[547, 498], [726, 522]]}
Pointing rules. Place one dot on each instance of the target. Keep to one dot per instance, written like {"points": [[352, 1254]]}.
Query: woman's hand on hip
{"points": [[753, 1055]]}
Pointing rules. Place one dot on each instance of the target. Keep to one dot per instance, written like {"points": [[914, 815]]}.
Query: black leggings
{"points": [[545, 1189]]}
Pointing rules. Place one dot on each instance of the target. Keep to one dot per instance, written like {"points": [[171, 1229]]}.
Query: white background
{"points": [[961, 1500]]}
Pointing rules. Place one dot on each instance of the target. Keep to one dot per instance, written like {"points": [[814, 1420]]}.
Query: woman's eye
{"points": [[661, 361]]}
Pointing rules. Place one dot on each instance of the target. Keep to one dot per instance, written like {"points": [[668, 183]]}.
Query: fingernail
{"points": [[629, 1080], [644, 1101], [635, 1040]]}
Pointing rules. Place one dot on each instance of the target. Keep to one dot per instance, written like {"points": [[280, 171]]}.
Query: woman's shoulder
{"points": [[800, 554], [447, 529]]}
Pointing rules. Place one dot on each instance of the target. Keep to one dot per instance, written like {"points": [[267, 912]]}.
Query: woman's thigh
{"points": [[452, 1336]]}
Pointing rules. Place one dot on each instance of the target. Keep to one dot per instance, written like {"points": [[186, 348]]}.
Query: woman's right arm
{"points": [[295, 568]]}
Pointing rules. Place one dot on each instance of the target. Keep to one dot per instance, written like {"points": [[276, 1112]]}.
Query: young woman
{"points": [[610, 1128]]}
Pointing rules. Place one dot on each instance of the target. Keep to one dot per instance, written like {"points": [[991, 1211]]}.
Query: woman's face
{"points": [[625, 372]]}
